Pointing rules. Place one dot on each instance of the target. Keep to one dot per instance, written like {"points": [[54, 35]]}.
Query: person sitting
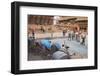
{"points": [[65, 49], [62, 53], [55, 47]]}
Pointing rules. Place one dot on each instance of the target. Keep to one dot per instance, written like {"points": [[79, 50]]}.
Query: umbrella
{"points": [[46, 43]]}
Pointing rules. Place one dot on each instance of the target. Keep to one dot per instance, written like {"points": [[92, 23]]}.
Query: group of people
{"points": [[79, 36], [56, 50]]}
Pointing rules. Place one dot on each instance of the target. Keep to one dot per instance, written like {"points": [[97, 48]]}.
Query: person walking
{"points": [[69, 35], [83, 38], [64, 32]]}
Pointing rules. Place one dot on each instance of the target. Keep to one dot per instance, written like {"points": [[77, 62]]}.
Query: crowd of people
{"points": [[51, 50], [79, 36]]}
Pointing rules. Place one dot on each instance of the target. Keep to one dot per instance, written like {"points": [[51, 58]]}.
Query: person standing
{"points": [[64, 32], [86, 40], [76, 35], [83, 38], [33, 34], [30, 40], [69, 35], [73, 35]]}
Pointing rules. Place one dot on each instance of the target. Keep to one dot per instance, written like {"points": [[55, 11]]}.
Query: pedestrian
{"points": [[73, 35], [64, 32], [76, 35], [83, 38], [30, 37], [69, 35], [86, 40]]}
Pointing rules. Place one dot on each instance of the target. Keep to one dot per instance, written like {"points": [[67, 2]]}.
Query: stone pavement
{"points": [[74, 46], [80, 51]]}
